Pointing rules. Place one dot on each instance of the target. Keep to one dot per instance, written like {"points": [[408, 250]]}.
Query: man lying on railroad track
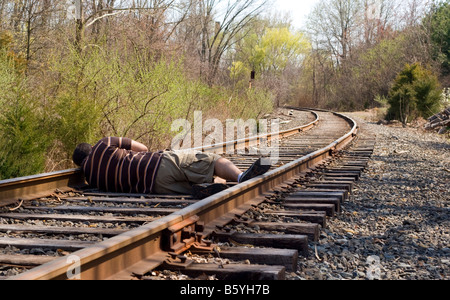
{"points": [[122, 165]]}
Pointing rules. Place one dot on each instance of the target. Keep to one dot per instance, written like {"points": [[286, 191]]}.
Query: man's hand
{"points": [[138, 147]]}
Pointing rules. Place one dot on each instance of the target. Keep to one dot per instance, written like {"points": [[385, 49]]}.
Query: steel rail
{"points": [[139, 250], [254, 140], [31, 187]]}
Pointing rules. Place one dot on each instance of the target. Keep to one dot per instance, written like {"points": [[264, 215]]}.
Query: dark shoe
{"points": [[203, 191], [257, 169]]}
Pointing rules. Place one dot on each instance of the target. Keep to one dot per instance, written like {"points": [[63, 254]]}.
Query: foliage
{"points": [[370, 73], [73, 111], [132, 68], [360, 46], [98, 93], [17, 60], [282, 47], [439, 25], [415, 93], [270, 52], [21, 136]]}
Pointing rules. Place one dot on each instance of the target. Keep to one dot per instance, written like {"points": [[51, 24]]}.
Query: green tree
{"points": [[280, 47], [415, 93], [271, 52], [439, 26]]}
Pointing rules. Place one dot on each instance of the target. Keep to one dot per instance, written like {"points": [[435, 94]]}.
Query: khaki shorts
{"points": [[179, 170]]}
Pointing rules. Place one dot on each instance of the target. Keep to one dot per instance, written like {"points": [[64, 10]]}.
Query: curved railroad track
{"points": [[52, 227]]}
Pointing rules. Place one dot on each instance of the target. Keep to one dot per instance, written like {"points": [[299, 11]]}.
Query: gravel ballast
{"points": [[396, 226]]}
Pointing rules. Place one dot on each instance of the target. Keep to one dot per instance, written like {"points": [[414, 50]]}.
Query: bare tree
{"points": [[2, 11], [334, 24], [96, 14], [29, 22], [378, 20], [213, 26]]}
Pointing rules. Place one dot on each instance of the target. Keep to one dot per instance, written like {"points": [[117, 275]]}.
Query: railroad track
{"points": [[62, 230]]}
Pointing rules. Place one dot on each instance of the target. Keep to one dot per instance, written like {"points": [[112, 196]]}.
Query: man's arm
{"points": [[125, 143], [138, 147]]}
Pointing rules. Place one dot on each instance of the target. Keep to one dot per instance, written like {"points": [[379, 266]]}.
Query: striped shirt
{"points": [[113, 167]]}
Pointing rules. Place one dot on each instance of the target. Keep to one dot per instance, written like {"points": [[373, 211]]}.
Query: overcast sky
{"points": [[299, 9]]}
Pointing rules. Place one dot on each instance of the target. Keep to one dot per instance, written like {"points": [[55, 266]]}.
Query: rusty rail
{"points": [[253, 141], [140, 250], [30, 187]]}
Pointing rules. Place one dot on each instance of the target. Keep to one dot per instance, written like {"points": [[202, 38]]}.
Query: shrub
{"points": [[98, 93], [415, 93], [23, 143]]}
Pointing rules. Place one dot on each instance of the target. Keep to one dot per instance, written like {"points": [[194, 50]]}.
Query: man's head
{"points": [[81, 152]]}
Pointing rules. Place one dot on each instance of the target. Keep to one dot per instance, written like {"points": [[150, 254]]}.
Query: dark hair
{"points": [[81, 152]]}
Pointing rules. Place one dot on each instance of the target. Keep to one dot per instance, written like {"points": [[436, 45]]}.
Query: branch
{"points": [[117, 11], [104, 16]]}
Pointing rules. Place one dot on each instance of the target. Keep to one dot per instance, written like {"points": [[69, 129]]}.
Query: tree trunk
{"points": [[79, 25]]}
